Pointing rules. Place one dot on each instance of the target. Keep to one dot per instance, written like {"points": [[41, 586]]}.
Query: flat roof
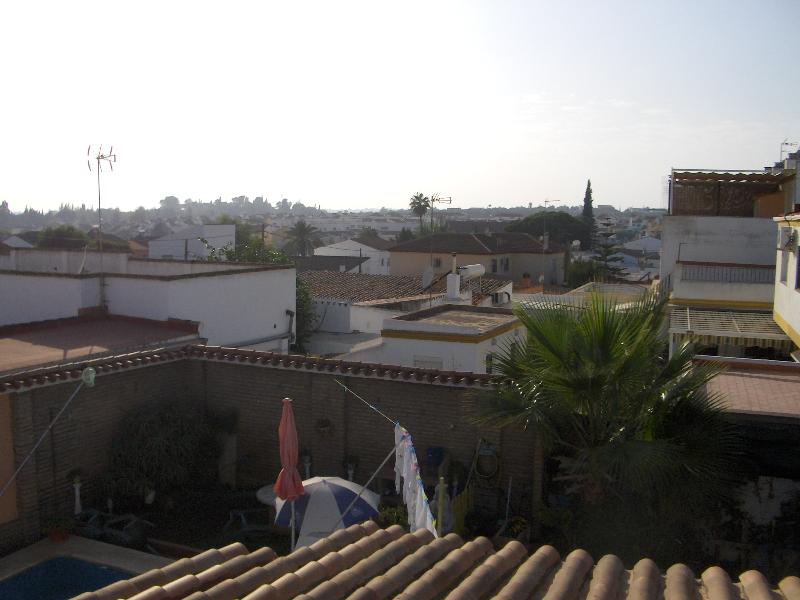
{"points": [[479, 322], [761, 389], [60, 341], [460, 322]]}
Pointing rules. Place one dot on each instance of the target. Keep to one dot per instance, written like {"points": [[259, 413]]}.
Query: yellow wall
{"points": [[8, 501], [414, 263]]}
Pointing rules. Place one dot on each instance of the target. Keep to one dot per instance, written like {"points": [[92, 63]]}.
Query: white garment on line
{"points": [[407, 466]]}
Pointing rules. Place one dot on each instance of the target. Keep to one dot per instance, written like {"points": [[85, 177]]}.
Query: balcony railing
{"points": [[727, 273]]}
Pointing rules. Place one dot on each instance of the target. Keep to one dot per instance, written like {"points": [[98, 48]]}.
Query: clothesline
{"points": [[377, 410], [406, 468]]}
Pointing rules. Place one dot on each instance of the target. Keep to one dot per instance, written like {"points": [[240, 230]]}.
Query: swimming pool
{"points": [[59, 578]]}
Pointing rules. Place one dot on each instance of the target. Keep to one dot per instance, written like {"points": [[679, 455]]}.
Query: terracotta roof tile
{"points": [[474, 243], [367, 287], [254, 357], [364, 562]]}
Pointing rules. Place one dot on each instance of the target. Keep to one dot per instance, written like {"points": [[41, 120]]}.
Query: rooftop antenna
{"points": [[786, 146], [109, 158], [544, 241]]}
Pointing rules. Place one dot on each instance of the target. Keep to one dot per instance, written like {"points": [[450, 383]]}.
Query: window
{"points": [[489, 363], [784, 265], [437, 262], [505, 264], [494, 265]]}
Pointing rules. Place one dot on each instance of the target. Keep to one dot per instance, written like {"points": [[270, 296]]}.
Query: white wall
{"points": [[716, 239], [62, 261], [369, 318], [378, 263], [232, 309], [332, 315], [787, 294], [187, 244], [29, 298], [452, 356]]}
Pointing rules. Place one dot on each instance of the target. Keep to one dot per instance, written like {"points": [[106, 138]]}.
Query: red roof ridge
{"points": [[72, 371]]}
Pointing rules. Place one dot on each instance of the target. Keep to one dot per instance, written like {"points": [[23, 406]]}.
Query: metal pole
{"points": [[291, 546], [441, 490], [100, 240], [41, 439], [352, 504]]}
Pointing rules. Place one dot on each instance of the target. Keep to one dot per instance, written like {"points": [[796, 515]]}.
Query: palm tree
{"points": [[634, 433], [301, 239], [419, 204]]}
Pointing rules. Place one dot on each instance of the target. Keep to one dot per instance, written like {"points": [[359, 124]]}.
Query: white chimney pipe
{"points": [[453, 286]]}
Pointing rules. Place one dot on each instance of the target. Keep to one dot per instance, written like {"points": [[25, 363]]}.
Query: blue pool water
{"points": [[58, 578]]}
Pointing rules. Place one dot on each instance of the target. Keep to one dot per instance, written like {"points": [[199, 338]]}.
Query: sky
{"points": [[355, 105]]}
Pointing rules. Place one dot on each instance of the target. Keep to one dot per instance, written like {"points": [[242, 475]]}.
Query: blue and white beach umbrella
{"points": [[321, 509]]}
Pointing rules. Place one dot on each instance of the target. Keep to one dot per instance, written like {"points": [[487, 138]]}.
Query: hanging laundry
{"points": [[406, 467]]}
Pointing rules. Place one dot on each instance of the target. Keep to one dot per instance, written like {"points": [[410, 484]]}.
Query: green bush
{"points": [[162, 446]]}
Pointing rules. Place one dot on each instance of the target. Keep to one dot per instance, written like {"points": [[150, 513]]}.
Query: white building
{"points": [[718, 259], [448, 337], [193, 243], [374, 248], [233, 305], [351, 308], [786, 311]]}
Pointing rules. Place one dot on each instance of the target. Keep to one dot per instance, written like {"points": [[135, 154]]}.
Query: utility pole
{"points": [[544, 242], [110, 158]]}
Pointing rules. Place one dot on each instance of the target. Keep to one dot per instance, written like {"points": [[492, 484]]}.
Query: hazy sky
{"points": [[362, 104]]}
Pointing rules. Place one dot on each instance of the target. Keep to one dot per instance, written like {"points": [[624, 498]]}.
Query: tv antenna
{"points": [[101, 158], [786, 146]]}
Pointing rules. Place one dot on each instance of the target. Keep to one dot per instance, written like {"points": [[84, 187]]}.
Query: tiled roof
{"points": [[327, 263], [374, 241], [364, 562], [363, 287], [474, 243], [111, 364]]}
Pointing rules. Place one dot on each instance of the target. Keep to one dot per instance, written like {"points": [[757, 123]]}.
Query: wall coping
{"points": [[58, 374]]}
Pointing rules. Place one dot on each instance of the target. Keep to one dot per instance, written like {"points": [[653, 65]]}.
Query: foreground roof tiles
{"points": [[364, 562]]}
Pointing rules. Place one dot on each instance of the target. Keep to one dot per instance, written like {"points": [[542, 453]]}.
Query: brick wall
{"points": [[434, 414], [80, 439]]}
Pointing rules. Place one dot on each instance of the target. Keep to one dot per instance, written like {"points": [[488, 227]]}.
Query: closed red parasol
{"points": [[288, 486]]}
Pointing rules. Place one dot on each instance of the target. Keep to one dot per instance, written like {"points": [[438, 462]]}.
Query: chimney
{"points": [[453, 287]]}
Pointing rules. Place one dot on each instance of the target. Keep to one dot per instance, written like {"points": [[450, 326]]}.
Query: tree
{"points": [[607, 257], [62, 236], [405, 235], [588, 213], [419, 205], [562, 228], [644, 451], [305, 317], [302, 238], [580, 272]]}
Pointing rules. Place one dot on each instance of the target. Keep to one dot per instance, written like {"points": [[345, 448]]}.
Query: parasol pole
{"points": [[291, 546], [352, 504]]}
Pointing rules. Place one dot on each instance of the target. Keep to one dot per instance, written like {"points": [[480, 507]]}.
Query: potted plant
{"points": [[58, 528]]}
